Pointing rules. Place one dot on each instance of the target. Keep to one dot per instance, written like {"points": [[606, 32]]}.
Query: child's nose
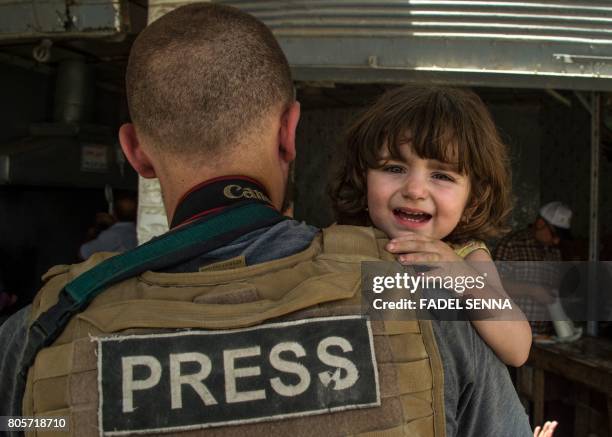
{"points": [[415, 187]]}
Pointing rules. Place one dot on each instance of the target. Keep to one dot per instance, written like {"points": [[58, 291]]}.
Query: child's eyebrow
{"points": [[386, 157], [448, 166]]}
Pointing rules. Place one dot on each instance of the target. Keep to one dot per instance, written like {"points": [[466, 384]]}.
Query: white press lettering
{"points": [[352, 374], [194, 380], [232, 395], [128, 384], [289, 367]]}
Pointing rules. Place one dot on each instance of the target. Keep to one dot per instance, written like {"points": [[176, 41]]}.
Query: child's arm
{"points": [[510, 340]]}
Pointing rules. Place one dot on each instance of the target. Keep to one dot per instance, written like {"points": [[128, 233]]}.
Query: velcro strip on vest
{"points": [[401, 326], [415, 407], [419, 371], [398, 348]]}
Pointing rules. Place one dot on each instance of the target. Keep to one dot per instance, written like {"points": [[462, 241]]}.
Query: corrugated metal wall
{"points": [[561, 44], [583, 21]]}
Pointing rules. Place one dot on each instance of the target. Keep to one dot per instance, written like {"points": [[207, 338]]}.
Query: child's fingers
{"points": [[549, 425], [410, 237], [424, 249], [551, 429], [545, 431], [406, 246], [417, 257]]}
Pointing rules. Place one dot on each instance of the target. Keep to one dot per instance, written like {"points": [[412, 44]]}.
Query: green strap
{"points": [[169, 249]]}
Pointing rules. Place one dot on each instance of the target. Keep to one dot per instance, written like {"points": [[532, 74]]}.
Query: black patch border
{"points": [[118, 338]]}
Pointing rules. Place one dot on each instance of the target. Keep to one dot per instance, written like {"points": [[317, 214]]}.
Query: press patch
{"points": [[201, 379]]}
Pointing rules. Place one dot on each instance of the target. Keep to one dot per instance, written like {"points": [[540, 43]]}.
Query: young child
{"points": [[427, 167]]}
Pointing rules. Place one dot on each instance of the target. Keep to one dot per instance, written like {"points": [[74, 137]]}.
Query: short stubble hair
{"points": [[204, 76]]}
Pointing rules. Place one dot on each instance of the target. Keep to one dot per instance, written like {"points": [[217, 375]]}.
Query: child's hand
{"points": [[415, 248], [419, 249], [545, 431]]}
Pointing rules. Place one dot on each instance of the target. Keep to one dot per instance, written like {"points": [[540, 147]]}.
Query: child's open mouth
{"points": [[416, 217]]}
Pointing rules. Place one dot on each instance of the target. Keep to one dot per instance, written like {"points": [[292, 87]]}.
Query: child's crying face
{"points": [[416, 195]]}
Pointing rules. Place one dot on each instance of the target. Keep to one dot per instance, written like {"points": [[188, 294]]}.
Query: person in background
{"points": [[113, 233], [532, 284]]}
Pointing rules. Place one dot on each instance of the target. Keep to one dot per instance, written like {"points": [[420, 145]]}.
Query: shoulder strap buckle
{"points": [[46, 328]]}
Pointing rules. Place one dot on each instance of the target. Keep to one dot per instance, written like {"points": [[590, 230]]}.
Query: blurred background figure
{"points": [[532, 284], [116, 232]]}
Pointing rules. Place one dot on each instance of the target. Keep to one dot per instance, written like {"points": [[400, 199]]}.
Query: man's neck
{"points": [[216, 195], [258, 161]]}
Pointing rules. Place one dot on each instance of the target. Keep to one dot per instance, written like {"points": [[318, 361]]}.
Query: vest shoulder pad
{"points": [[56, 279], [356, 240]]}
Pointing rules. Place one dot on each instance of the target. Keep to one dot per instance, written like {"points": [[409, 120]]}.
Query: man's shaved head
{"points": [[202, 77]]}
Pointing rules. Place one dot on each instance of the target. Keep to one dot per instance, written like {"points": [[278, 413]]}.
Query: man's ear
{"points": [[289, 123], [134, 152]]}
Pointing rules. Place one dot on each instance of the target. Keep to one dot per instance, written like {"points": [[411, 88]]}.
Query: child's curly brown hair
{"points": [[442, 123]]}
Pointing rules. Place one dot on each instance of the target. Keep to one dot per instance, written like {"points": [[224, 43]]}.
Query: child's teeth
{"points": [[413, 216]]}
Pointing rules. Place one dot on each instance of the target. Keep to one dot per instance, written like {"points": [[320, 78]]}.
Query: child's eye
{"points": [[443, 177], [393, 169]]}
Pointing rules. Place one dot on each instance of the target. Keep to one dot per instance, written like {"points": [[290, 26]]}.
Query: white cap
{"points": [[557, 214]]}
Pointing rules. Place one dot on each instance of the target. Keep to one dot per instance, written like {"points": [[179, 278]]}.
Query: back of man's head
{"points": [[203, 77]]}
